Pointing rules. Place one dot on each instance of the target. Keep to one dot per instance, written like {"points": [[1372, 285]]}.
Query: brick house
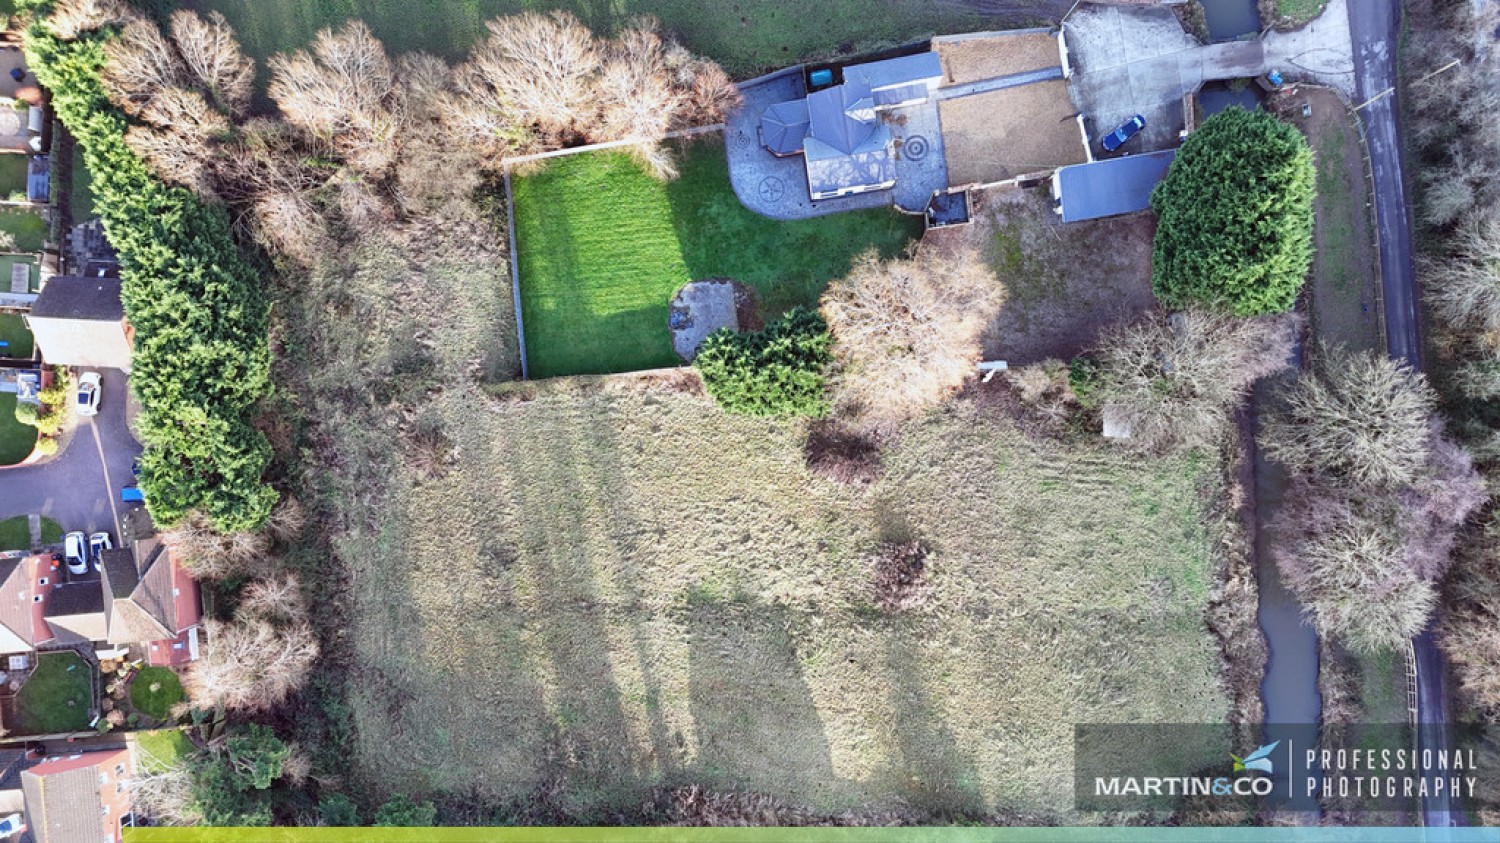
{"points": [[77, 798]]}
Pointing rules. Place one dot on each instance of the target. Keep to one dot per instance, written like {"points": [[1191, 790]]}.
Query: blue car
{"points": [[1114, 140]]}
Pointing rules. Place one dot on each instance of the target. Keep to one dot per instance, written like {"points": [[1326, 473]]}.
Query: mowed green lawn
{"points": [[16, 439], [745, 36], [602, 248], [58, 695]]}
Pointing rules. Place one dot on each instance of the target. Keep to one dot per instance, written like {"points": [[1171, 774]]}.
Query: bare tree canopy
{"points": [[251, 664], [907, 330], [342, 91], [138, 64], [1359, 416], [71, 18], [1172, 379], [211, 53], [1463, 287]]}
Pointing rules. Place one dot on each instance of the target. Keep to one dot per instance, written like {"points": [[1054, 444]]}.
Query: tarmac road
{"points": [[1374, 30], [80, 487]]}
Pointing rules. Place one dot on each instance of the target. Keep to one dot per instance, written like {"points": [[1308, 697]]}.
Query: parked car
{"points": [[1114, 140], [98, 543], [88, 394], [75, 550]]}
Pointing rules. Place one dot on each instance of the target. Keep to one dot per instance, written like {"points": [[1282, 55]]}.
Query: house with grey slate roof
{"points": [[838, 131]]}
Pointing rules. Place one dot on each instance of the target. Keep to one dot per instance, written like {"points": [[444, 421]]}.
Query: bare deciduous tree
{"points": [[72, 18], [906, 331], [1464, 287], [1346, 560], [1359, 416], [1470, 630], [212, 55], [250, 664], [343, 92], [139, 64], [536, 70], [172, 156], [1172, 379], [214, 555], [278, 599]]}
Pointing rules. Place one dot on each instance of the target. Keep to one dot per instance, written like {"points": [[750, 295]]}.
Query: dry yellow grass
{"points": [[974, 59], [1010, 132], [614, 589]]}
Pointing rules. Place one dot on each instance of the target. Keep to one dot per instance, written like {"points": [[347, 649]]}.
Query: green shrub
{"points": [[46, 446], [338, 810], [401, 811], [1084, 379], [1235, 230], [202, 358], [775, 372], [26, 414], [51, 422]]}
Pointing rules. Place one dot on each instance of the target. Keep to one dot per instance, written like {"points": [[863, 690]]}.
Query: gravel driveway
{"points": [[80, 487]]}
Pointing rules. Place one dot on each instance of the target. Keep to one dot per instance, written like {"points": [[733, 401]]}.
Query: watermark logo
{"points": [[1259, 760]]}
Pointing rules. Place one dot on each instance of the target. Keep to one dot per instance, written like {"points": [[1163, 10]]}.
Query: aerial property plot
{"points": [[602, 247]]}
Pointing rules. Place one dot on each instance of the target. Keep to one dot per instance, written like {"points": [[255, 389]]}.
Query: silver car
{"points": [[98, 543]]}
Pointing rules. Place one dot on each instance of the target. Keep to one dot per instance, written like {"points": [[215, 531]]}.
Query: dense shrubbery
{"points": [[201, 355], [1236, 217], [775, 372]]}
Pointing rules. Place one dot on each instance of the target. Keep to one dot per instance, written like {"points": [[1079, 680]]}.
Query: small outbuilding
{"points": [[81, 322], [1110, 187]]}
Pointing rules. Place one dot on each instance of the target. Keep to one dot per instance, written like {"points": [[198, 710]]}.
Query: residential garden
{"points": [[15, 533], [58, 696], [603, 246]]}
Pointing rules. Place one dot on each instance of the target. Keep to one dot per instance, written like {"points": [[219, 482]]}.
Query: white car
{"points": [[98, 543], [88, 394], [75, 553]]}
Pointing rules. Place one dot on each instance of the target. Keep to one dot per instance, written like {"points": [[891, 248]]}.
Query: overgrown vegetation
{"points": [[1235, 217], [1376, 498], [1456, 146], [907, 330], [777, 371], [1171, 381]]}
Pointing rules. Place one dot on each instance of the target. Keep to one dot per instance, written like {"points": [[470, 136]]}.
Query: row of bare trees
{"points": [[1376, 497], [1455, 127]]}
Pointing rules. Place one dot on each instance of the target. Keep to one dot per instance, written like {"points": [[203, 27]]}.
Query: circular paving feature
{"points": [[742, 139], [772, 189], [915, 148]]}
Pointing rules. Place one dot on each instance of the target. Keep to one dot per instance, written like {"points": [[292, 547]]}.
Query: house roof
{"points": [[783, 127], [75, 297], [78, 607], [841, 118], [151, 596], [22, 617], [76, 798], [869, 164], [899, 72], [1112, 186]]}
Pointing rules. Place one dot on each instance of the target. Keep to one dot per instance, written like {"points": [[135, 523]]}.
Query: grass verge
{"points": [[154, 691], [15, 534], [16, 439], [1344, 295], [57, 696], [603, 247]]}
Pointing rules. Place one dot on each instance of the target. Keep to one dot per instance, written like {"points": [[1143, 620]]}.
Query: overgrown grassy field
{"points": [[617, 589], [603, 247], [745, 37]]}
